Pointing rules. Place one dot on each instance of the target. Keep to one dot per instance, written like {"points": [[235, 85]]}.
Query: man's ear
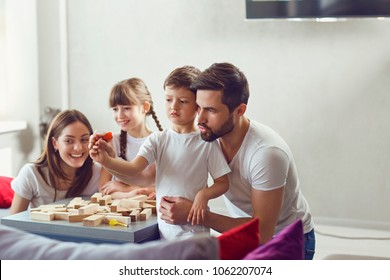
{"points": [[241, 109], [146, 107]]}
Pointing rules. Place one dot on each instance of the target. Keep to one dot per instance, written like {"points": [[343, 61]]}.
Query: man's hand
{"points": [[174, 210]]}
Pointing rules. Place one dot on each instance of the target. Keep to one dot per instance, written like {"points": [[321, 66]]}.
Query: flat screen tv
{"points": [[262, 9]]}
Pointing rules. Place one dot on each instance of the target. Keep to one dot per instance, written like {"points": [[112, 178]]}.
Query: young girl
{"points": [[64, 168], [131, 103], [183, 159]]}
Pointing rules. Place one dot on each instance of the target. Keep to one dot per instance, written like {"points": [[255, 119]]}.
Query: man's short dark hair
{"points": [[227, 78]]}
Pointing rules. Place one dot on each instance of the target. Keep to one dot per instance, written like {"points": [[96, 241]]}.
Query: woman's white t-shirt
{"points": [[30, 185]]}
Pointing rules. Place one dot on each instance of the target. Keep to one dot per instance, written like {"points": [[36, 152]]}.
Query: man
{"points": [[264, 181]]}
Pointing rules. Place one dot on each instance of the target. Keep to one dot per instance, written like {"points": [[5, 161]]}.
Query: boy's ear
{"points": [[146, 107]]}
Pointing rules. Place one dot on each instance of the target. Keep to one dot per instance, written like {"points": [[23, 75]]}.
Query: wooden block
{"points": [[140, 197], [88, 209], [145, 214], [134, 215], [122, 209], [147, 205], [74, 201], [93, 220], [72, 211], [103, 209], [153, 207], [105, 200], [61, 215], [51, 207], [125, 213], [77, 218], [114, 205], [151, 202], [129, 203], [64, 209], [42, 216], [121, 219], [95, 197]]}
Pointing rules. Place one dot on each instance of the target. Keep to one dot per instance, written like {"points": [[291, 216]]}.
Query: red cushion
{"points": [[239, 241], [288, 244], [6, 193]]}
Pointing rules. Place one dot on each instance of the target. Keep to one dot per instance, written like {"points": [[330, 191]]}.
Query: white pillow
{"points": [[17, 245]]}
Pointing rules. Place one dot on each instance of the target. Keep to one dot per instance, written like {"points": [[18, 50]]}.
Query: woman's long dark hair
{"points": [[52, 159]]}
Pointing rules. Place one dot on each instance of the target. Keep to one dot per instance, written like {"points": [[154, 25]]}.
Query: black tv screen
{"points": [[261, 9]]}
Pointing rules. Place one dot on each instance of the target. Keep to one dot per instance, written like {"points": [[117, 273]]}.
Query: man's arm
{"points": [[266, 205], [174, 210]]}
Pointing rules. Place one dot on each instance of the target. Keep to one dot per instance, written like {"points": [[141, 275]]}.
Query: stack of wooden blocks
{"points": [[98, 210]]}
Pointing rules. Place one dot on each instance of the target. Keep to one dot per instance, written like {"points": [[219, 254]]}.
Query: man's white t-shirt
{"points": [[265, 162]]}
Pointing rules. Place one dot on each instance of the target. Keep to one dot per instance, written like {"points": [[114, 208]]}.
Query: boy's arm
{"points": [[101, 153], [125, 168], [220, 186], [199, 207]]}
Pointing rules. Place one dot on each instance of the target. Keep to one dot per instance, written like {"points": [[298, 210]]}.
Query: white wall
{"points": [[20, 96], [322, 86]]}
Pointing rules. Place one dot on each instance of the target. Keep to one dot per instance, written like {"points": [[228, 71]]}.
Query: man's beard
{"points": [[210, 136]]}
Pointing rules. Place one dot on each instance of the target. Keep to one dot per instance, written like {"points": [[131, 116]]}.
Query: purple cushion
{"points": [[288, 244]]}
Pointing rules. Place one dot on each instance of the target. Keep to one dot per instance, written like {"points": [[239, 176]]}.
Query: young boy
{"points": [[183, 159]]}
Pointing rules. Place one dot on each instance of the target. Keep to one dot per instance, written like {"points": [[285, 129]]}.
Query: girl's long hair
{"points": [[132, 91]]}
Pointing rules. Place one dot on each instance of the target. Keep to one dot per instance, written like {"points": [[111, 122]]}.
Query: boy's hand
{"points": [[198, 210], [99, 148]]}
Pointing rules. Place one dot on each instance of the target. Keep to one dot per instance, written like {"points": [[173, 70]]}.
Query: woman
{"points": [[64, 168]]}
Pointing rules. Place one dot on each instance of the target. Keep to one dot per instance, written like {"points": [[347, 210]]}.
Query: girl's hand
{"points": [[130, 194], [115, 186]]}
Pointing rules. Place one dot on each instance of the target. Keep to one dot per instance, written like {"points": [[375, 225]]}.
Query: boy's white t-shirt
{"points": [[183, 162], [30, 185]]}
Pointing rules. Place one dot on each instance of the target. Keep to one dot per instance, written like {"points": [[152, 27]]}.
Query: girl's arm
{"points": [[19, 204], [199, 207], [105, 177], [149, 191]]}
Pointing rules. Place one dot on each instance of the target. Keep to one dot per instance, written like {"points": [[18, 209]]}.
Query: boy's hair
{"points": [[182, 77], [132, 91], [52, 159], [227, 78]]}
